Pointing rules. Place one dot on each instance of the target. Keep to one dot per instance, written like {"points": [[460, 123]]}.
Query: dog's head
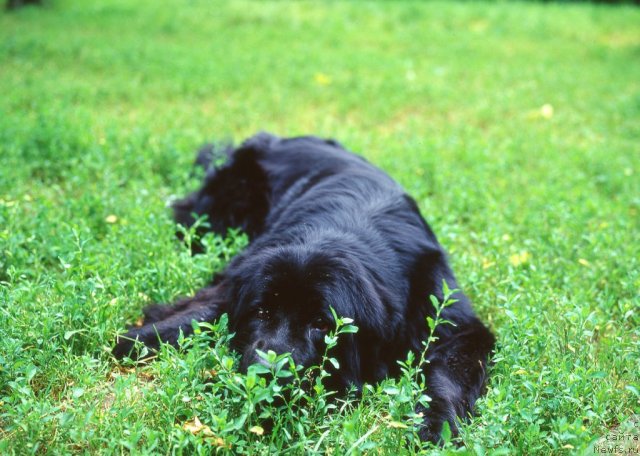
{"points": [[282, 301]]}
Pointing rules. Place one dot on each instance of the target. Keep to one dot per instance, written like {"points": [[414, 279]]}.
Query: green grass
{"points": [[102, 105]]}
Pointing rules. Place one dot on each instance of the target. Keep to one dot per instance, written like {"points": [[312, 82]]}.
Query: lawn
{"points": [[516, 126]]}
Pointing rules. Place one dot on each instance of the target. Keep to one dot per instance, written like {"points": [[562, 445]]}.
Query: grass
{"points": [[515, 125]]}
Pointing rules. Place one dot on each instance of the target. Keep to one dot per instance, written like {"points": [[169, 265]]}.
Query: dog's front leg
{"points": [[455, 377], [163, 323]]}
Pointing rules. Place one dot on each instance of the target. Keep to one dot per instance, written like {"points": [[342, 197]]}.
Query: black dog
{"points": [[328, 229]]}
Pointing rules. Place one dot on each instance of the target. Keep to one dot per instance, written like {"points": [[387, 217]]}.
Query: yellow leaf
{"points": [[515, 259], [207, 432], [519, 258], [196, 427], [546, 111], [397, 425], [486, 264], [218, 441], [322, 79], [478, 26]]}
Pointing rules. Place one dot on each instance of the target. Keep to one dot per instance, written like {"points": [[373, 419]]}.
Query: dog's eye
{"points": [[263, 313], [320, 324]]}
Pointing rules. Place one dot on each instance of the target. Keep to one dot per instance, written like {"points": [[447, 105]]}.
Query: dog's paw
{"points": [[137, 343]]}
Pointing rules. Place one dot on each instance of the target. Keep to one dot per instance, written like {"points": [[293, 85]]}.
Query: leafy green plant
{"points": [[278, 399]]}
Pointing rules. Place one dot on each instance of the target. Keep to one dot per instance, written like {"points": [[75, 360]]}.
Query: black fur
{"points": [[328, 229]]}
